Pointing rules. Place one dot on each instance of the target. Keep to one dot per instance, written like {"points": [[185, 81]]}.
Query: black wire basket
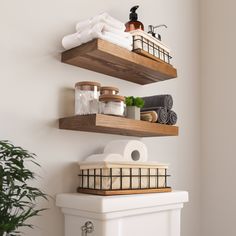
{"points": [[111, 181], [150, 46]]}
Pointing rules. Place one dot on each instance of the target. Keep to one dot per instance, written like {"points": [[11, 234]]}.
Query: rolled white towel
{"points": [[74, 40], [100, 30], [117, 40], [71, 41], [103, 27], [101, 18]]}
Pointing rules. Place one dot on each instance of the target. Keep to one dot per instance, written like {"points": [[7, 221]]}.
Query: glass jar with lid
{"points": [[109, 90], [112, 105], [86, 97]]}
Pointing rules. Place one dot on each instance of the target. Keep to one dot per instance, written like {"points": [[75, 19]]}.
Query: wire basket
{"points": [[149, 46], [110, 181]]}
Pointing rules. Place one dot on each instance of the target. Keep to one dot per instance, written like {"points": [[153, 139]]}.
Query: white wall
{"points": [[218, 117], [36, 89]]}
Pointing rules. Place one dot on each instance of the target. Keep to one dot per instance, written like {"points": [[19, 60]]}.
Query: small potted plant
{"points": [[133, 105], [18, 197]]}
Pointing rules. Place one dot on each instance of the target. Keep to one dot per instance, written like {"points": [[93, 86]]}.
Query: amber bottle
{"points": [[133, 24]]}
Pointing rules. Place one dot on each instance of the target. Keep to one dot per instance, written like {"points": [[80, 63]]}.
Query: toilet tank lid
{"points": [[107, 204]]}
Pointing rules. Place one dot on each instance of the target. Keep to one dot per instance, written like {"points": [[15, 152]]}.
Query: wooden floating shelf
{"points": [[116, 125], [107, 58]]}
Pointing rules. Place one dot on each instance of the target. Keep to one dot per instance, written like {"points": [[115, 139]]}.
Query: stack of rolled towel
{"points": [[102, 26], [158, 109]]}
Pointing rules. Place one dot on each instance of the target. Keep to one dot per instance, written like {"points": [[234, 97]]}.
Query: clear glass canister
{"points": [[112, 105], [86, 97], [109, 90]]}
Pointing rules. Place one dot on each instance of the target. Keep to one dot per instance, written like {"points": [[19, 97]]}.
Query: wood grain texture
{"points": [[116, 125], [106, 58], [123, 192]]}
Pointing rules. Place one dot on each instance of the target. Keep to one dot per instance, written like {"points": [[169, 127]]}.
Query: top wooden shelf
{"points": [[106, 58]]}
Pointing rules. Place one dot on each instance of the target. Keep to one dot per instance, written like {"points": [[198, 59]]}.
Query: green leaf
{"points": [[129, 101], [17, 197], [132, 101], [138, 102]]}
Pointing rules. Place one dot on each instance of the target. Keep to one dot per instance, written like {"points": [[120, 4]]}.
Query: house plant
{"points": [[17, 196], [133, 105]]}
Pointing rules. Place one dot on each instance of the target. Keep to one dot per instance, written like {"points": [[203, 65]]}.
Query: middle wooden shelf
{"points": [[100, 123]]}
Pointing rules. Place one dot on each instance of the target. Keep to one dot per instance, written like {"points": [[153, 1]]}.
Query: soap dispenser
{"points": [[133, 24], [152, 30]]}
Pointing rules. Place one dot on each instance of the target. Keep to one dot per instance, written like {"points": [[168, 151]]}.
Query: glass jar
{"points": [[112, 105], [86, 97], [109, 91]]}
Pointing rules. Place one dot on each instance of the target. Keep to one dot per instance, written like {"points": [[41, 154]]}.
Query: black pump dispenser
{"points": [[133, 16], [133, 24]]}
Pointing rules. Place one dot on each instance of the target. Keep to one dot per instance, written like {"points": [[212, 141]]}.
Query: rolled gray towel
{"points": [[162, 114], [165, 100], [172, 118]]}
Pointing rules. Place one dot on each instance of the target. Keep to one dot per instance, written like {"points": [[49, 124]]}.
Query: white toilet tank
{"points": [[155, 214]]}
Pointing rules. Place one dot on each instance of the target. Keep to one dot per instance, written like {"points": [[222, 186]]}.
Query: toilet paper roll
{"points": [[104, 157], [131, 150]]}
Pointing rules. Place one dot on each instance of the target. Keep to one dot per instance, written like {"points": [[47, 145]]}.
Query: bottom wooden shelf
{"points": [[123, 192], [116, 125]]}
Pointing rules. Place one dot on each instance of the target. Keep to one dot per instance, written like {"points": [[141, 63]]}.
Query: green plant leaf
{"points": [[132, 101], [17, 197], [129, 101], [139, 102]]}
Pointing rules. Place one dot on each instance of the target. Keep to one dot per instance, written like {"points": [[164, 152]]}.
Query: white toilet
{"points": [[155, 214]]}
